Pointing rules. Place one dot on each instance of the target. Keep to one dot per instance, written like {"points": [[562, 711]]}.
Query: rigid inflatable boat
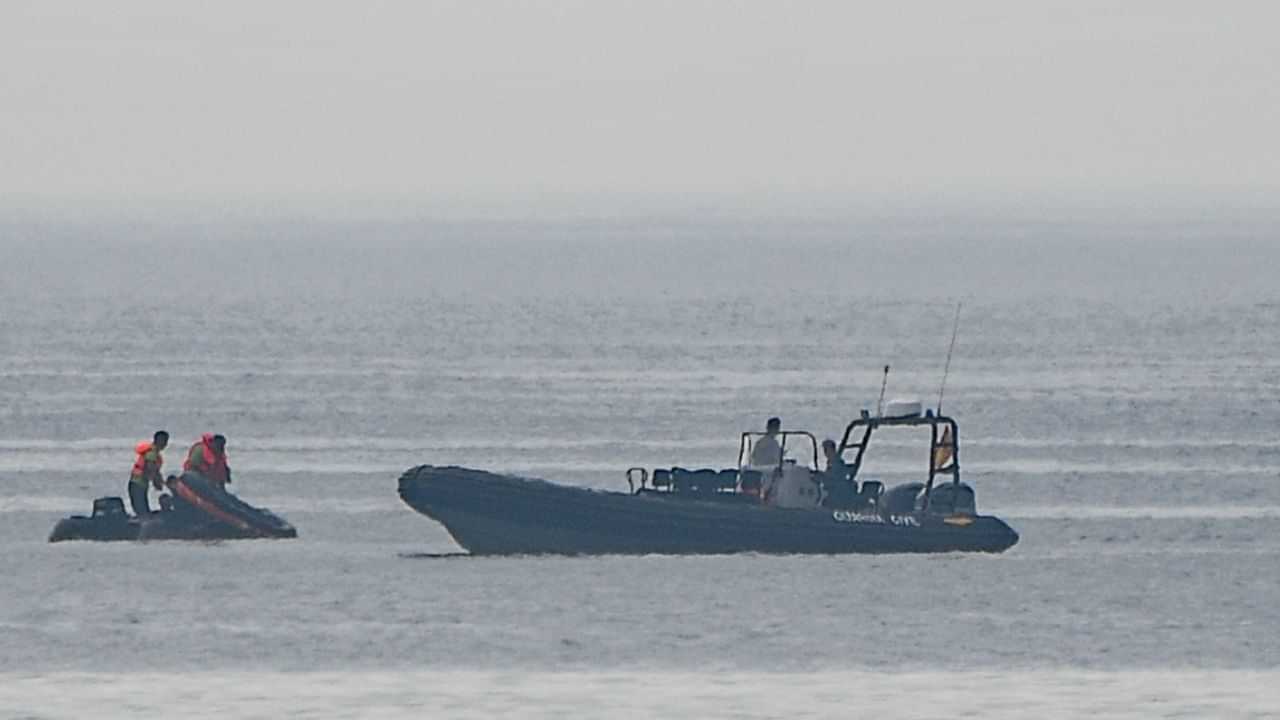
{"points": [[789, 507], [196, 510]]}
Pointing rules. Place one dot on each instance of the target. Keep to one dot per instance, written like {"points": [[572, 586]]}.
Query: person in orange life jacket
{"points": [[146, 469], [209, 458]]}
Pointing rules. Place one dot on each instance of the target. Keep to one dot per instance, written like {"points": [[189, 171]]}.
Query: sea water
{"points": [[1116, 385]]}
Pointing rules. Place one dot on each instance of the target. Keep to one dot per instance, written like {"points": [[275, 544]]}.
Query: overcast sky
{"points": [[395, 105]]}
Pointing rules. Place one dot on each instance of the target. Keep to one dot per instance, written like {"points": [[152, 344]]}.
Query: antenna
{"points": [[883, 384], [955, 330]]}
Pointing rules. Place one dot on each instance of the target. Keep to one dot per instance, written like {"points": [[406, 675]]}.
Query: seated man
{"points": [[767, 452], [837, 468], [209, 458], [838, 489]]}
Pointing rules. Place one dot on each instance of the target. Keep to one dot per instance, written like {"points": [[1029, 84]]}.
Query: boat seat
{"points": [[842, 494], [869, 495], [681, 480], [705, 480], [727, 480], [751, 481], [661, 479]]}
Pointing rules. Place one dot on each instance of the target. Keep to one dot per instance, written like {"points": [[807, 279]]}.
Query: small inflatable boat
{"points": [[196, 510]]}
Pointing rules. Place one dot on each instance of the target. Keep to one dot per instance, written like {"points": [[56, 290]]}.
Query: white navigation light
{"points": [[902, 409]]}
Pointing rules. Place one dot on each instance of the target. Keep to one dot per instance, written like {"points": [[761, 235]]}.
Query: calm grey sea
{"points": [[1116, 384]]}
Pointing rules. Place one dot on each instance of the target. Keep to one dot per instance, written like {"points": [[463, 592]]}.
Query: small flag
{"points": [[944, 451]]}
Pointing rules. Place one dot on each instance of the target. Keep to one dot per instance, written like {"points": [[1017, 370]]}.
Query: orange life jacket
{"points": [[208, 463], [140, 464]]}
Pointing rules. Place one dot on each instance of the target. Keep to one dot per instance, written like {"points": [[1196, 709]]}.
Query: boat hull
{"points": [[491, 514]]}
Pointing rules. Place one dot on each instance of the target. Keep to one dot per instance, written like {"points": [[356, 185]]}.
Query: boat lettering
{"points": [[848, 516]]}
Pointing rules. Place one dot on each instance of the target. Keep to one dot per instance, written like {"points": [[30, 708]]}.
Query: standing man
{"points": [[209, 458], [766, 457], [767, 452], [146, 469]]}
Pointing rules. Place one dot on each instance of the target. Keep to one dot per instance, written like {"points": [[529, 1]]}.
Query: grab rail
{"points": [[644, 479]]}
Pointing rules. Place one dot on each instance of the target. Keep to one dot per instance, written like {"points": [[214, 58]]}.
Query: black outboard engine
{"points": [[109, 521], [110, 508], [952, 499], [947, 498]]}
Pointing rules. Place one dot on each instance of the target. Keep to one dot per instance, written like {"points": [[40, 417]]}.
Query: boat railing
{"points": [[635, 486]]}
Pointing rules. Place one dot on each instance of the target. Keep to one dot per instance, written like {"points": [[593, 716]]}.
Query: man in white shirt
{"points": [[767, 452]]}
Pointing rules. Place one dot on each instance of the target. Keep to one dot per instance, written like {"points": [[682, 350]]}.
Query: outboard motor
{"points": [[109, 521], [110, 508], [952, 499]]}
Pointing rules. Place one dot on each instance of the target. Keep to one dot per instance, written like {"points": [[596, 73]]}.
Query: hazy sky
{"points": [[402, 104]]}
